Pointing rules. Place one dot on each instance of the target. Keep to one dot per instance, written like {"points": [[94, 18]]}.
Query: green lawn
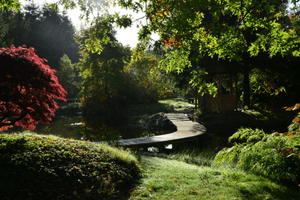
{"points": [[163, 105], [49, 167], [177, 103], [172, 179]]}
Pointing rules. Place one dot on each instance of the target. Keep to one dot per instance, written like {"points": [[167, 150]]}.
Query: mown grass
{"points": [[49, 167], [163, 105], [173, 179], [200, 157], [176, 102]]}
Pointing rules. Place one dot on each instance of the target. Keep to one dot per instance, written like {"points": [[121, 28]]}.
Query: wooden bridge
{"points": [[187, 131]]}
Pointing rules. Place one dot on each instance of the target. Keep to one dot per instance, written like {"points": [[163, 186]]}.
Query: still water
{"points": [[69, 122]]}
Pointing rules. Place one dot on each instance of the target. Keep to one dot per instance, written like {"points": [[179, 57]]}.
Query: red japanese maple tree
{"points": [[28, 89]]}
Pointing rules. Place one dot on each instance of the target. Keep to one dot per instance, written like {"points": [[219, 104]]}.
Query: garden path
{"points": [[187, 131]]}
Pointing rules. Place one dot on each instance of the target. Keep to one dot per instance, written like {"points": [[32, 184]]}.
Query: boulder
{"points": [[159, 122]]}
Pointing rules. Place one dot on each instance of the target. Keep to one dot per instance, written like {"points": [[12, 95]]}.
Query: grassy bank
{"points": [[49, 167], [163, 105], [177, 180], [177, 103]]}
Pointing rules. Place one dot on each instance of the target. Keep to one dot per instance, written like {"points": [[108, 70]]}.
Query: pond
{"points": [[69, 122]]}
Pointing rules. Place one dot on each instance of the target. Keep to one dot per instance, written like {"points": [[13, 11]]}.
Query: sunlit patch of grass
{"points": [[164, 105], [49, 167], [172, 179], [176, 102], [201, 157], [149, 108]]}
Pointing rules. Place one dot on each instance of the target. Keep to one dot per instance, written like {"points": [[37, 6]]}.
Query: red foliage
{"points": [[28, 88], [170, 43]]}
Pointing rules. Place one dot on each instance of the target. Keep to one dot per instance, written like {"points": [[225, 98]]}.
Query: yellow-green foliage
{"points": [[66, 75], [147, 77], [101, 71], [49, 167], [274, 155]]}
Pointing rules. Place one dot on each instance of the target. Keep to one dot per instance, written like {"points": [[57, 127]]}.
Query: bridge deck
{"points": [[187, 130]]}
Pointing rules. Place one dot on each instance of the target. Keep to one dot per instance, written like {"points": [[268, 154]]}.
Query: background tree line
{"points": [[113, 79], [117, 69], [110, 80], [50, 33]]}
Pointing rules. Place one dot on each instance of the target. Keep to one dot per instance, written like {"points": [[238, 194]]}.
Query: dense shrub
{"points": [[48, 167], [274, 155]]}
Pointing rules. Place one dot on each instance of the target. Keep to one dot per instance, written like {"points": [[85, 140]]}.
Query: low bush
{"points": [[276, 155], [49, 167]]}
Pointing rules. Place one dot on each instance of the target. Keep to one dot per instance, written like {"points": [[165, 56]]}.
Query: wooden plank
{"points": [[186, 131]]}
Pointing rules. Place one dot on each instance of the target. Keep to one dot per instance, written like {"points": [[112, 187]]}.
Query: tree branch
{"points": [[24, 114]]}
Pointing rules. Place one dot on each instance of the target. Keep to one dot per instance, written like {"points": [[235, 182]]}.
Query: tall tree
{"points": [[183, 22], [4, 27], [232, 39], [14, 28], [68, 76], [51, 34], [146, 79], [102, 73]]}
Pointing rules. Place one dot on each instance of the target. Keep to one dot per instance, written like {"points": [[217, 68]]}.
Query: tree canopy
{"points": [[10, 4], [230, 30], [14, 28], [183, 21], [49, 32], [102, 74]]}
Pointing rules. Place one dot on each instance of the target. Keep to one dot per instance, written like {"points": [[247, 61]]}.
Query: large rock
{"points": [[158, 122]]}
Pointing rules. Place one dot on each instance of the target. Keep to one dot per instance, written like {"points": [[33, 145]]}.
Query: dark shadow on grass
{"points": [[292, 193]]}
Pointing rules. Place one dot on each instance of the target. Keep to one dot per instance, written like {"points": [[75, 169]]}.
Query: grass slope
{"points": [[49, 167], [177, 102], [172, 179], [163, 105]]}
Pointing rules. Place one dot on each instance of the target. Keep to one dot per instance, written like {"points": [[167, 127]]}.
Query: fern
{"points": [[274, 155], [247, 133]]}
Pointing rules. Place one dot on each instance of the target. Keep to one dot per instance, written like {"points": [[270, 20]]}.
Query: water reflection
{"points": [[60, 125], [92, 127]]}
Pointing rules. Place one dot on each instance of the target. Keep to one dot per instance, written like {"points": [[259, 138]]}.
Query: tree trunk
{"points": [[246, 96]]}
